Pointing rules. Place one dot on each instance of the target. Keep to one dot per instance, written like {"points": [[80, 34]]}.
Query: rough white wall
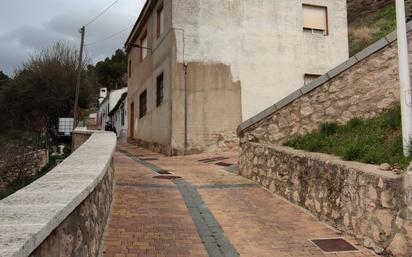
{"points": [[262, 41]]}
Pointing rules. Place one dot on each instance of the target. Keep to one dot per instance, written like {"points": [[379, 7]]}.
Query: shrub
{"points": [[328, 128]]}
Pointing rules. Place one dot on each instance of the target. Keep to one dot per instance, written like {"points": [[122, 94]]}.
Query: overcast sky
{"points": [[27, 26]]}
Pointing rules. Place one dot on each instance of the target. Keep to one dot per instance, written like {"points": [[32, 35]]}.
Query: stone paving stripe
{"points": [[208, 228], [204, 186]]}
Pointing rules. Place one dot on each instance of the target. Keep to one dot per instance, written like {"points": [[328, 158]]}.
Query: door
{"points": [[132, 121]]}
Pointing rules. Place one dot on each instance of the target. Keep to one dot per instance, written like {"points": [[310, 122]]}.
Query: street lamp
{"points": [[404, 77]]}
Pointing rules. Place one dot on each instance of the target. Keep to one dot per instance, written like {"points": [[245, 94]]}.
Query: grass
{"points": [[376, 141], [16, 185], [370, 28]]}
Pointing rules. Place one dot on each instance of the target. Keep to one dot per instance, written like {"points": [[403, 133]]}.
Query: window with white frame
{"points": [[315, 19]]}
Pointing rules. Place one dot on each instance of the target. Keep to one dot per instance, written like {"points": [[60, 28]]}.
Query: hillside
{"points": [[367, 28]]}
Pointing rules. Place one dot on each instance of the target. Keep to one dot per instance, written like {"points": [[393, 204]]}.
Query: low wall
{"points": [[354, 197], [63, 213]]}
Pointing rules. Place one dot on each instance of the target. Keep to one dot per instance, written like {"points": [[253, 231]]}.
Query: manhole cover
{"points": [[224, 164], [334, 245], [167, 177], [165, 172]]}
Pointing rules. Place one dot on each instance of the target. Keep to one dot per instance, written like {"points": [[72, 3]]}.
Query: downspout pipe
{"points": [[404, 78]]}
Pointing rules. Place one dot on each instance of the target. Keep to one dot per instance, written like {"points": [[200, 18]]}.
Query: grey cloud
{"points": [[49, 21]]}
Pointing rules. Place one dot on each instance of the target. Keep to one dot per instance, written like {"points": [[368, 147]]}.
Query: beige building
{"points": [[198, 68]]}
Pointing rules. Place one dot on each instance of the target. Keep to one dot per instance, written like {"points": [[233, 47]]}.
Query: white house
{"points": [[118, 117], [107, 105], [198, 68]]}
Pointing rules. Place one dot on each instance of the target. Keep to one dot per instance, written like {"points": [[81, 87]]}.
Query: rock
{"points": [[385, 166], [386, 199], [399, 246], [385, 217], [385, 103], [372, 194], [307, 110], [330, 111], [346, 220]]}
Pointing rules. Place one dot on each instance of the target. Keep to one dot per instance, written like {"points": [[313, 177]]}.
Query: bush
{"points": [[328, 128]]}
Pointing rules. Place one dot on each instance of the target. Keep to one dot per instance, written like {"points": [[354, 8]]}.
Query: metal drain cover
{"points": [[164, 172], [224, 164], [214, 159], [167, 177], [334, 245]]}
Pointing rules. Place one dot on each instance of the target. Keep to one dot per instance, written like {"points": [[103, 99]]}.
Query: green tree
{"points": [[43, 90], [111, 72], [3, 79]]}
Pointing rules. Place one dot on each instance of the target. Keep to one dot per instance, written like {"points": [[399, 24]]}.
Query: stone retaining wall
{"points": [[363, 87], [63, 213], [354, 197]]}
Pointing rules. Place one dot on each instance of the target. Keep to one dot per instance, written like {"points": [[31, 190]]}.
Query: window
{"points": [[130, 69], [143, 44], [160, 21], [310, 77], [143, 104], [159, 90], [315, 19]]}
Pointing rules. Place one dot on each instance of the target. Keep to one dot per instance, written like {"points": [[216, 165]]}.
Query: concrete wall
{"points": [[155, 126], [64, 212], [213, 108], [354, 197], [262, 42]]}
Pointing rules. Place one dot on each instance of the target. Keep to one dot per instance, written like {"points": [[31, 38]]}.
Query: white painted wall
{"points": [[262, 41], [121, 129]]}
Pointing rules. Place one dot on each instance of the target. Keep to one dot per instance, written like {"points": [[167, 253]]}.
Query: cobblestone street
{"points": [[208, 212]]}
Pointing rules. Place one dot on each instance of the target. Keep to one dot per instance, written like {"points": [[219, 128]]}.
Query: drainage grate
{"points": [[149, 159], [224, 164], [213, 159], [334, 245], [165, 172], [167, 177]]}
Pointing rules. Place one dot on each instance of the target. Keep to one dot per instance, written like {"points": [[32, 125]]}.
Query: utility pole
{"points": [[76, 97], [79, 72], [404, 77]]}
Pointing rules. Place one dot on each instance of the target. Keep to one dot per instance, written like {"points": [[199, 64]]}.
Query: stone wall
{"points": [[38, 160], [80, 136], [81, 233], [64, 212], [354, 197], [354, 89]]}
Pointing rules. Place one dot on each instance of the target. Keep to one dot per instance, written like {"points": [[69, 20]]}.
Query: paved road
{"points": [[209, 212]]}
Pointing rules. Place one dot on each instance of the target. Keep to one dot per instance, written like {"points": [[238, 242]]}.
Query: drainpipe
{"points": [[404, 77]]}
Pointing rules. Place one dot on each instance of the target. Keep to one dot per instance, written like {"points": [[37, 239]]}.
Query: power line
{"points": [[109, 37], [103, 12]]}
